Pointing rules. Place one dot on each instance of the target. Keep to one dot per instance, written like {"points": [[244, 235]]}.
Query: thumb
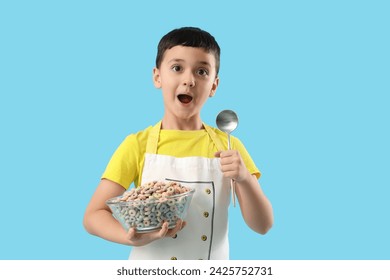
{"points": [[131, 233], [218, 154]]}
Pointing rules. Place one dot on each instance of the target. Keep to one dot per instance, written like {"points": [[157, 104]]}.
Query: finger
{"points": [[183, 225], [223, 154], [226, 154], [173, 231], [227, 160], [228, 168], [179, 225], [163, 231]]}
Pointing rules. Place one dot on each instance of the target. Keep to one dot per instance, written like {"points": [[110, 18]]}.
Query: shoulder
{"points": [[139, 137], [135, 143]]}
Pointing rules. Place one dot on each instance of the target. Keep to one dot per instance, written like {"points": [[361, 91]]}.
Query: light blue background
{"points": [[308, 79]]}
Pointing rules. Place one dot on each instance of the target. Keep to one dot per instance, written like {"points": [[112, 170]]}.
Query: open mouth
{"points": [[184, 98]]}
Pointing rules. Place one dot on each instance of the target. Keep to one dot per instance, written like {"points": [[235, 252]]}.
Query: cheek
{"points": [[167, 83], [203, 98]]}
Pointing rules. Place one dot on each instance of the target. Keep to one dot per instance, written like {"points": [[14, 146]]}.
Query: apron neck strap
{"points": [[214, 137], [152, 142]]}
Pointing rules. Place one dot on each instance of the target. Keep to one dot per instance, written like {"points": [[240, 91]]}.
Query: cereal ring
{"points": [[132, 212], [157, 195], [146, 223], [180, 208], [149, 190], [169, 215], [138, 205], [133, 195], [171, 202], [177, 190], [167, 193], [163, 208]]}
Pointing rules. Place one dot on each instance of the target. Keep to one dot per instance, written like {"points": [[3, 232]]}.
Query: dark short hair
{"points": [[188, 37]]}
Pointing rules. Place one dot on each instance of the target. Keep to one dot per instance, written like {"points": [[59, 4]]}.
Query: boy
{"points": [[182, 148]]}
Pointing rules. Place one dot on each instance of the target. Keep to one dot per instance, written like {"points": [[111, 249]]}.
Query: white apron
{"points": [[206, 234]]}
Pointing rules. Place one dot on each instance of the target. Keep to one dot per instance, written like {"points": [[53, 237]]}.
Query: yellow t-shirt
{"points": [[126, 164]]}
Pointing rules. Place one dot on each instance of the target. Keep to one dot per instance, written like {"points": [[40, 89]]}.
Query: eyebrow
{"points": [[182, 60]]}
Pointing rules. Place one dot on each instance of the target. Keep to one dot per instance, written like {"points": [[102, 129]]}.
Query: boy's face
{"points": [[187, 78]]}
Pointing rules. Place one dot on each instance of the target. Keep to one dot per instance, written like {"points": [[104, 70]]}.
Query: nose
{"points": [[189, 81]]}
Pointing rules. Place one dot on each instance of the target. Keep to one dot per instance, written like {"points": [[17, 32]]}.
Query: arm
{"points": [[255, 207], [98, 219]]}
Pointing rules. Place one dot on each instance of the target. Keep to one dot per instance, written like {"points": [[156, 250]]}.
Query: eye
{"points": [[176, 68], [202, 72]]}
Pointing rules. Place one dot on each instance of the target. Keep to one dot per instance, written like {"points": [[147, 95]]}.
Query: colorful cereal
{"points": [[151, 205]]}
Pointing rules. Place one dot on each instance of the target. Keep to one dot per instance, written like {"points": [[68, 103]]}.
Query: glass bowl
{"points": [[148, 206]]}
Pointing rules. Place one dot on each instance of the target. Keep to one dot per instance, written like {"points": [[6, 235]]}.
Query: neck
{"points": [[181, 124]]}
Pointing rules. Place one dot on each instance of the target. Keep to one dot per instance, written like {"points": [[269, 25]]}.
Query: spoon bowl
{"points": [[227, 121]]}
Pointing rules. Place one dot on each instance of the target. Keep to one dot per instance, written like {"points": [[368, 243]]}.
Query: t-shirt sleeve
{"points": [[249, 163], [123, 165]]}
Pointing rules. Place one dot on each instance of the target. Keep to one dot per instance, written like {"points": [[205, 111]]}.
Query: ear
{"points": [[214, 87], [156, 77]]}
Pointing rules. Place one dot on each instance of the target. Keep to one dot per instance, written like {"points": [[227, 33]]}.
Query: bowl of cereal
{"points": [[148, 206]]}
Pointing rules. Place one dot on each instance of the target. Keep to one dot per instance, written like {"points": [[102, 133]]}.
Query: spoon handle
{"points": [[233, 191], [232, 185]]}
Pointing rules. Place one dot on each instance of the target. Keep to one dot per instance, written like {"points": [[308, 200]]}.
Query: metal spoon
{"points": [[227, 121]]}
